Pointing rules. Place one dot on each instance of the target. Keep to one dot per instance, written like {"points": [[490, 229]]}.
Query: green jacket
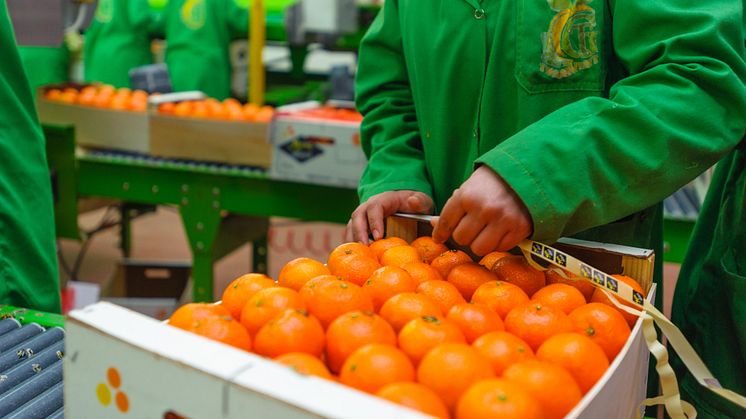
{"points": [[587, 121], [198, 34], [709, 305], [118, 39], [28, 263]]}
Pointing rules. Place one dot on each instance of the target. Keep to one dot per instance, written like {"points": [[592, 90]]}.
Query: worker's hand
{"points": [[484, 214], [370, 214]]}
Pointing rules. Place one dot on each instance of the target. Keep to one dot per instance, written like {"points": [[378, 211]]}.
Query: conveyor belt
{"points": [[168, 163], [30, 370]]}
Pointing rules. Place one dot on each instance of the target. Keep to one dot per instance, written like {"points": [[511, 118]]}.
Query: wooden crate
{"points": [[98, 127], [232, 142]]}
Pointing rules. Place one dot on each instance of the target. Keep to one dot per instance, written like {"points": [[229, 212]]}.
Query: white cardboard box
{"points": [[310, 150], [164, 369]]}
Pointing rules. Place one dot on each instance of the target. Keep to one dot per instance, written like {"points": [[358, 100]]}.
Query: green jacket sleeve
{"points": [[389, 133], [678, 111]]}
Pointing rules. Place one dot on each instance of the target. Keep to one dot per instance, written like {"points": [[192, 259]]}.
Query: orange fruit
{"points": [[414, 396], [328, 297], [291, 331], [600, 297], [53, 94], [238, 292], [446, 261], [450, 368], [420, 335], [346, 249], [265, 114], [603, 325], [579, 355], [69, 96], [375, 365], [498, 398], [352, 331], [428, 248], [535, 323], [249, 111], [502, 349], [474, 320], [551, 385], [304, 364], [516, 270], [266, 304], [386, 282], [223, 329], [421, 272], [488, 261], [354, 268], [299, 271], [382, 245], [499, 296], [442, 293], [399, 256], [467, 277], [560, 296], [183, 109], [584, 286], [403, 307], [87, 98], [185, 316], [166, 108]]}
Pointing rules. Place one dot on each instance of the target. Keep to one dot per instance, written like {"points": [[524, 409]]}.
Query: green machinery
{"points": [[221, 207]]}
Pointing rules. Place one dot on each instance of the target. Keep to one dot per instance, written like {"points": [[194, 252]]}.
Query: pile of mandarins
{"points": [[101, 96], [427, 327], [228, 110]]}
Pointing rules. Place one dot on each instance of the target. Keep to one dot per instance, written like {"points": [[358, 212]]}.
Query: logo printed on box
{"points": [[561, 259], [612, 284], [598, 277], [103, 393], [301, 149]]}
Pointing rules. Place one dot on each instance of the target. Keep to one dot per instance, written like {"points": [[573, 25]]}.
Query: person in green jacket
{"points": [[198, 35], [28, 264], [119, 39], [541, 119], [709, 304]]}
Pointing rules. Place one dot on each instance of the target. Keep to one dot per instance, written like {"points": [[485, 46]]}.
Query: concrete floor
{"points": [[160, 236]]}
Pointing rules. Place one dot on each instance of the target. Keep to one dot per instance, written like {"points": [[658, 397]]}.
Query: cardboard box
{"points": [[98, 127], [164, 369], [232, 142], [317, 151]]}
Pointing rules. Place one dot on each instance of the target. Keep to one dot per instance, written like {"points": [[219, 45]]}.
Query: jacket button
{"points": [[478, 14]]}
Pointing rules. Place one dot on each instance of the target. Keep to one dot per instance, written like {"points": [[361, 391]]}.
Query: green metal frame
{"points": [[26, 316], [206, 196]]}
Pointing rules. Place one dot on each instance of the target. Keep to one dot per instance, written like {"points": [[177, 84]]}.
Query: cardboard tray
{"points": [[232, 142]]}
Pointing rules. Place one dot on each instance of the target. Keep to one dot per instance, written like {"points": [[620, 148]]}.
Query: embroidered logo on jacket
{"points": [[569, 44], [193, 14], [104, 11]]}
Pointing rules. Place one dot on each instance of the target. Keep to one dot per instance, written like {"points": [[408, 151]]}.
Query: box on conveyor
{"points": [[99, 120], [319, 144], [193, 131]]}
